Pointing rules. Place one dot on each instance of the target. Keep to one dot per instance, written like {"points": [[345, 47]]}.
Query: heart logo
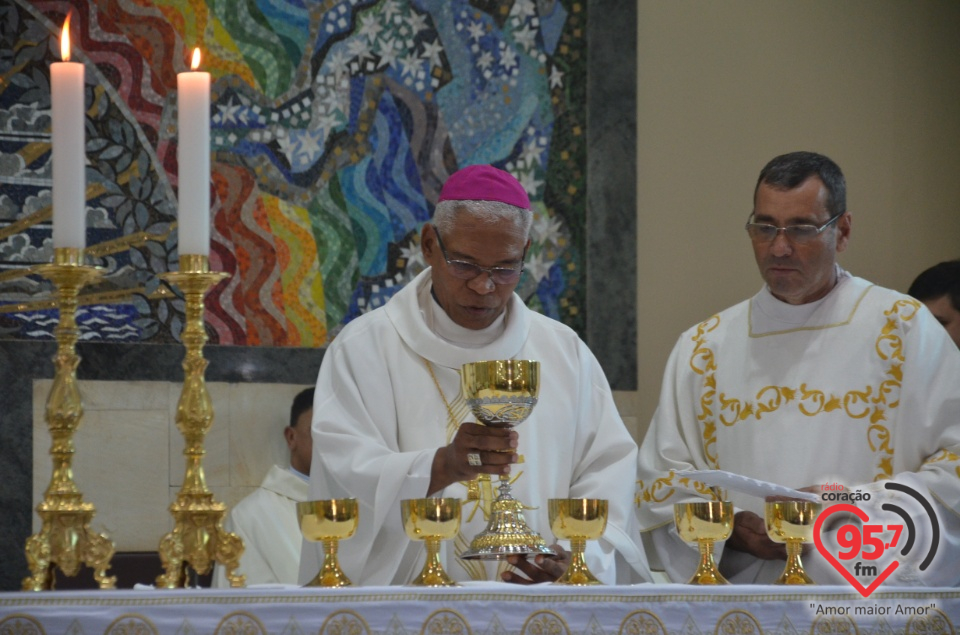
{"points": [[844, 507]]}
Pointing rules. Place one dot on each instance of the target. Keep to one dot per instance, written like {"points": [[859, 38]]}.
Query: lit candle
{"points": [[193, 148], [69, 178]]}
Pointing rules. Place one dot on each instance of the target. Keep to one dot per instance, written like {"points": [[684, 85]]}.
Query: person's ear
{"points": [[290, 435], [428, 240], [844, 225]]}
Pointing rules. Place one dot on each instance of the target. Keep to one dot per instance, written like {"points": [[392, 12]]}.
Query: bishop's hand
{"points": [[750, 535], [476, 449], [541, 569]]}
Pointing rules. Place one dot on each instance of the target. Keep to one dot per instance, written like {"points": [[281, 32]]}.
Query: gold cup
{"points": [[705, 523], [431, 520], [577, 520], [502, 393], [329, 521], [791, 522]]}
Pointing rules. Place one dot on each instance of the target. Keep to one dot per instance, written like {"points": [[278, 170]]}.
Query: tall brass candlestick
{"points": [[65, 539], [198, 538]]}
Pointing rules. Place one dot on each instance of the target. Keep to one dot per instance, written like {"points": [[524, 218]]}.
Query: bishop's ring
{"points": [[474, 459]]}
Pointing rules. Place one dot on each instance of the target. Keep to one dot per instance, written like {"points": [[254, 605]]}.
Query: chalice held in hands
{"points": [[503, 393]]}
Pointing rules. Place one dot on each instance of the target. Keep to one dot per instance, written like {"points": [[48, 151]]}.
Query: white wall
{"points": [[725, 86]]}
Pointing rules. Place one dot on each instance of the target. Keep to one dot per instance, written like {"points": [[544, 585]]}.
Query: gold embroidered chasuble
{"points": [[858, 388]]}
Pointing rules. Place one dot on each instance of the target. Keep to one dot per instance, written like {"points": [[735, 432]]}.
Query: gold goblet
{"points": [[329, 521], [791, 522], [577, 520], [502, 393], [431, 520], [705, 523]]}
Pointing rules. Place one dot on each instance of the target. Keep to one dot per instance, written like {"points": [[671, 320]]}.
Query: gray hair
{"points": [[788, 171], [446, 212]]}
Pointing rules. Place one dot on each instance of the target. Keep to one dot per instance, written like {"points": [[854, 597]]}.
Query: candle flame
{"points": [[65, 40], [195, 63]]}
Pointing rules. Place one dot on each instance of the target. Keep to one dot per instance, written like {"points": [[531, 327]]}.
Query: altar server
{"points": [[266, 519], [390, 422], [820, 380]]}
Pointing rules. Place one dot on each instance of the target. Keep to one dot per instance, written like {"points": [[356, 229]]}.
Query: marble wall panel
{"points": [[258, 415]]}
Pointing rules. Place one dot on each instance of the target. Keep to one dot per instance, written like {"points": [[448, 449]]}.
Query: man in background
{"points": [[266, 519], [820, 378], [939, 288]]}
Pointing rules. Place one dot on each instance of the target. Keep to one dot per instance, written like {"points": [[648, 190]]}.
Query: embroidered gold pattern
{"points": [[344, 623], [870, 402], [18, 624], [738, 622], [642, 623], [445, 622], [659, 492], [833, 625], [240, 623], [945, 455], [545, 623], [131, 624], [934, 622]]}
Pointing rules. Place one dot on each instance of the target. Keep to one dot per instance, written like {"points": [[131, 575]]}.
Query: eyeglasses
{"points": [[765, 232], [468, 271]]}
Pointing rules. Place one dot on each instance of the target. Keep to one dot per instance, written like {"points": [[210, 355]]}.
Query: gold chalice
{"points": [[705, 523], [431, 520], [502, 394], [329, 521], [791, 522], [577, 520]]}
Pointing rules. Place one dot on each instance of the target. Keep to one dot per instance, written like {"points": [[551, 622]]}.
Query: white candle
{"points": [[193, 151], [67, 154]]}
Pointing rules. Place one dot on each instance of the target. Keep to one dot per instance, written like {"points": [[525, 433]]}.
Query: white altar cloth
{"points": [[486, 609]]}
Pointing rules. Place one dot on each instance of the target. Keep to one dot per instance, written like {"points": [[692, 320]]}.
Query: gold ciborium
{"points": [[431, 520], [503, 393], [577, 520], [329, 521], [705, 523], [791, 522]]}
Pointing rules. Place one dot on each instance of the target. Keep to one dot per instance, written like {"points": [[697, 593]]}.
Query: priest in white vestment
{"points": [[821, 381], [266, 519], [390, 422]]}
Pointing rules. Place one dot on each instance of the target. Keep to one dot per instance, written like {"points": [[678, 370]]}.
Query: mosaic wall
{"points": [[333, 126]]}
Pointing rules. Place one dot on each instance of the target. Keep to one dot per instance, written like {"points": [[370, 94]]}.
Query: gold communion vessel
{"points": [[503, 393], [577, 520], [329, 521], [705, 523], [431, 520], [791, 522]]}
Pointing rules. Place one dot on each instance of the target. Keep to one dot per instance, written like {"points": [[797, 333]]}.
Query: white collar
{"points": [[406, 311], [443, 326]]}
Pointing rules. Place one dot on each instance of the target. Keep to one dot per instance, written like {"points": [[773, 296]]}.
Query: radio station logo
{"points": [[867, 554]]}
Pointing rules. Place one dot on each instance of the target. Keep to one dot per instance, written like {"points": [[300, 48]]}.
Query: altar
{"points": [[486, 608]]}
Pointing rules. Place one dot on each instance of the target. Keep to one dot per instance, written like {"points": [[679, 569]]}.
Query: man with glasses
{"points": [[390, 422], [822, 381]]}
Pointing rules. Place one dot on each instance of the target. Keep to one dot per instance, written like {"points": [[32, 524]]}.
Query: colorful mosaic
{"points": [[334, 123]]}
